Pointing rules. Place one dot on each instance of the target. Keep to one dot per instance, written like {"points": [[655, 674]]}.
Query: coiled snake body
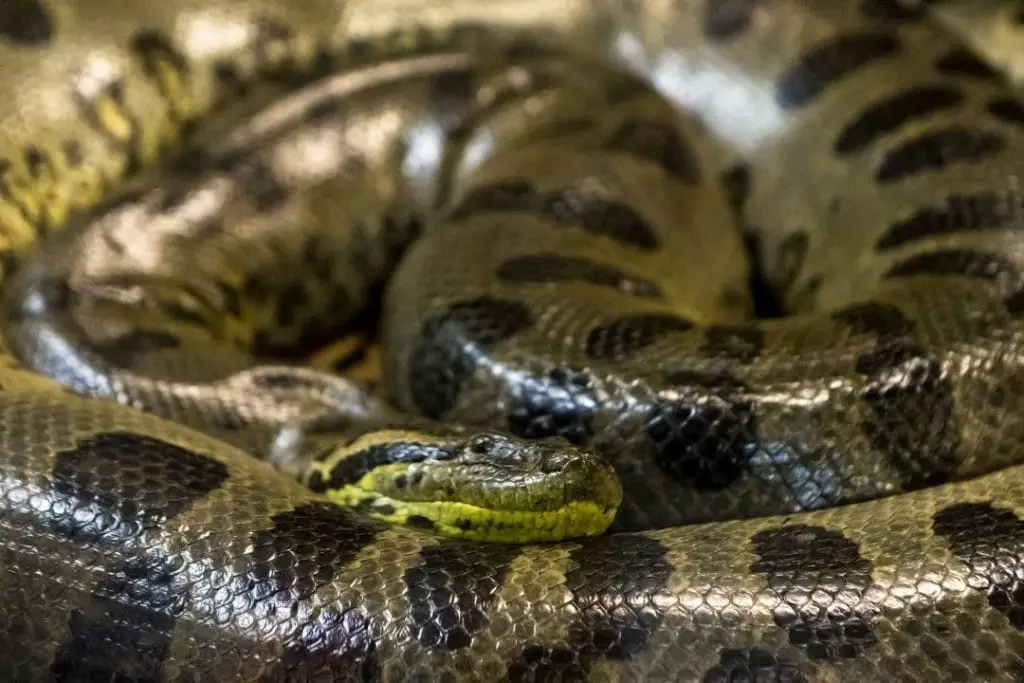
{"points": [[831, 496]]}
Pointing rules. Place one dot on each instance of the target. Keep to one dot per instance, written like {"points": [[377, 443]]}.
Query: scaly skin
{"points": [[138, 548]]}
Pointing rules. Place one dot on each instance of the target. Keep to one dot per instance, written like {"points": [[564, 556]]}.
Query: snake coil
{"points": [[834, 495]]}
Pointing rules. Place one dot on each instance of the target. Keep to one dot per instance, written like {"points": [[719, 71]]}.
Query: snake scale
{"points": [[836, 495]]}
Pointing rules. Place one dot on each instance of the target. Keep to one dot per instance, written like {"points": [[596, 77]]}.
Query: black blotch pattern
{"points": [[726, 19], [366, 505], [301, 552], [883, 320], [766, 299], [625, 336], [825, 64], [736, 182], [937, 149], [352, 358], [452, 94], [659, 142], [96, 502], [26, 22], [445, 356], [1007, 110], [155, 50], [888, 115], [617, 587], [958, 213], [127, 145], [449, 593], [111, 489], [544, 663], [704, 435], [464, 112], [753, 664], [910, 412], [820, 578], [742, 343], [962, 62], [293, 304], [576, 206], [893, 9], [1014, 303], [560, 403], [969, 263], [132, 614], [420, 522], [333, 646], [990, 541], [550, 267], [351, 469], [909, 407], [37, 161]]}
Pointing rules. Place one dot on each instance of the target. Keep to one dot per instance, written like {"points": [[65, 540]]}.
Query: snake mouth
{"points": [[575, 519]]}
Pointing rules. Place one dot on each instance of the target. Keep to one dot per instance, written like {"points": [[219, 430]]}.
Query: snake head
{"points": [[483, 486]]}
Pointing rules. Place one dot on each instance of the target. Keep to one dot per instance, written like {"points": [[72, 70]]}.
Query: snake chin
{"points": [[575, 519]]}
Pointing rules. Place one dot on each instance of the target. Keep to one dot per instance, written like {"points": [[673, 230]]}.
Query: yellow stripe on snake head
{"points": [[485, 486]]}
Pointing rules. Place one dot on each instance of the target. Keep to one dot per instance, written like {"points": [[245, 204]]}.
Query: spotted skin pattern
{"points": [[835, 496]]}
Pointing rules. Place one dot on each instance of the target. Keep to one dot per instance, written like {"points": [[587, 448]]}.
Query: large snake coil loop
{"points": [[557, 201]]}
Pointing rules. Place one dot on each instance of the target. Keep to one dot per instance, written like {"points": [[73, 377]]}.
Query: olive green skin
{"points": [[138, 548]]}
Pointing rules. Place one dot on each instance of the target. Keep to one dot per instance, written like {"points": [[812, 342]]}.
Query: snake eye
{"points": [[481, 445]]}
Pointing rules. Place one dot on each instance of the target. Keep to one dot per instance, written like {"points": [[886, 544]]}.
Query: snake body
{"points": [[831, 496]]}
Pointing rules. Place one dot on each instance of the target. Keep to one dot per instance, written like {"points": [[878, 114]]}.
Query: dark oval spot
{"points": [[660, 143], [1008, 110], [827, 63], [560, 403], [550, 267], [961, 62], [625, 336], [937, 149], [894, 112], [957, 213], [449, 346], [26, 22], [419, 522]]}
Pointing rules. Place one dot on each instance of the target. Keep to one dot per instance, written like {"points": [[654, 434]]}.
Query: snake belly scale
{"points": [[832, 496]]}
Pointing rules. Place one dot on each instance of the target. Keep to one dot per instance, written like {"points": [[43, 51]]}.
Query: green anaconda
{"points": [[833, 495]]}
